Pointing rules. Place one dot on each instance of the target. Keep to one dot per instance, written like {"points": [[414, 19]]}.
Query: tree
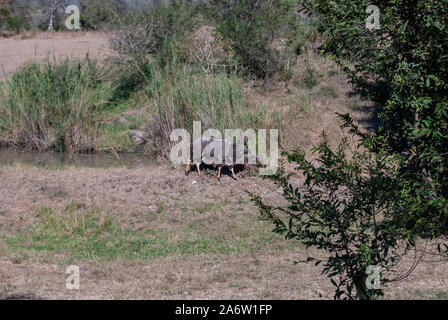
{"points": [[14, 16], [265, 35], [98, 13], [393, 190], [350, 205], [403, 66], [52, 8]]}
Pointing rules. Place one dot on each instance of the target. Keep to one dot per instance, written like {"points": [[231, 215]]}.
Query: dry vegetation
{"points": [[157, 236], [150, 232]]}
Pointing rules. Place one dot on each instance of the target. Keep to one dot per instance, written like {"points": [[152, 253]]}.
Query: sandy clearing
{"points": [[15, 52]]}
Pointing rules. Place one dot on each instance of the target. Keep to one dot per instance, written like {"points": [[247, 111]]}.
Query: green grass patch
{"points": [[85, 233]]}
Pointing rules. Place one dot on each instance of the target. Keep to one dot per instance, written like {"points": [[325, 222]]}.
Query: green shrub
{"points": [[309, 78], [53, 106], [146, 31], [265, 35], [11, 22], [403, 66], [97, 14], [350, 205], [144, 34]]}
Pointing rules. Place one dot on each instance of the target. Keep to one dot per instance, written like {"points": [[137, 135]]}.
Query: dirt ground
{"points": [[154, 197], [14, 52]]}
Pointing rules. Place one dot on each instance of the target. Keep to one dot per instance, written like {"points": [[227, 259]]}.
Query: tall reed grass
{"points": [[53, 106], [180, 94]]}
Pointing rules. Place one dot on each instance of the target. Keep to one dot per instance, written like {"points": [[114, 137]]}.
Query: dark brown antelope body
{"points": [[220, 153], [223, 153]]}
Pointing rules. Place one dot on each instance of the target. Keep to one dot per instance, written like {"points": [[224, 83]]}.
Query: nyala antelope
{"points": [[210, 146], [200, 143]]}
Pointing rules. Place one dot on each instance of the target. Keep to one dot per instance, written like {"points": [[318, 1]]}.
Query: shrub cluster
{"points": [[11, 22], [262, 38], [265, 35]]}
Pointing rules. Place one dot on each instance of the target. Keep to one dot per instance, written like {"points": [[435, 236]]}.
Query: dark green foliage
{"points": [[10, 21], [265, 35], [348, 206], [403, 66], [97, 14], [363, 208]]}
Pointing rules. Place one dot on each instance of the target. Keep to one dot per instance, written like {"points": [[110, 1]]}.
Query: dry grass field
{"points": [[150, 232], [16, 51]]}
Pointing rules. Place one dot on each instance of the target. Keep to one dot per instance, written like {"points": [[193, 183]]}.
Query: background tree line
{"points": [[20, 15]]}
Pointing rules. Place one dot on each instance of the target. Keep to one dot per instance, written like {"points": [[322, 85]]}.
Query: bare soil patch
{"points": [[15, 52], [163, 198]]}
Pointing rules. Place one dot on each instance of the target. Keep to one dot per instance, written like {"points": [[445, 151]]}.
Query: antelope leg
{"points": [[187, 169], [219, 172], [233, 174], [197, 168]]}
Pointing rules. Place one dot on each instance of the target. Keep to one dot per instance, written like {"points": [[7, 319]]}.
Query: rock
{"points": [[194, 182], [137, 136]]}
